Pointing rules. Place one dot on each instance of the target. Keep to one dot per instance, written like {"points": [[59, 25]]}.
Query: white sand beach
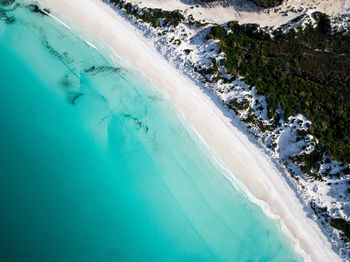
{"points": [[244, 159]]}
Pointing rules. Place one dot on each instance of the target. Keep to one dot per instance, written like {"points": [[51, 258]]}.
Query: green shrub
{"points": [[151, 15], [342, 225], [169, 17], [261, 3], [267, 3], [294, 71]]}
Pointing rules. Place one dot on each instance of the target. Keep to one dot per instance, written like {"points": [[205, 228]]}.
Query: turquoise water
{"points": [[95, 165]]}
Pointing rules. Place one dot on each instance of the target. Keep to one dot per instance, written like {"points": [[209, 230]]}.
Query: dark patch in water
{"points": [[66, 57], [137, 122], [36, 9], [65, 83], [155, 99], [100, 69], [76, 96], [12, 8], [90, 70], [6, 2], [8, 19], [51, 50], [55, 53], [106, 116]]}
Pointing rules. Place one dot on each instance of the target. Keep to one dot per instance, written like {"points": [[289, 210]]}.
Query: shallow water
{"points": [[95, 165]]}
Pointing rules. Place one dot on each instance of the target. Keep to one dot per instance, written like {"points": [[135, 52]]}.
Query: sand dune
{"points": [[246, 12]]}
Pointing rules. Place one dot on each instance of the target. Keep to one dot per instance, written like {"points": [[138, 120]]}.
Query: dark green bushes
{"points": [[169, 17], [311, 161], [305, 72], [267, 3], [150, 15], [188, 51], [324, 24], [342, 225], [261, 3]]}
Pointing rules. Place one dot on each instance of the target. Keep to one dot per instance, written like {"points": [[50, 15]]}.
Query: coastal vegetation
{"points": [[267, 3], [343, 226], [304, 71], [261, 3], [157, 17]]}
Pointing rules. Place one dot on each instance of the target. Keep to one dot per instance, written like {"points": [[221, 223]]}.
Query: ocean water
{"points": [[96, 165]]}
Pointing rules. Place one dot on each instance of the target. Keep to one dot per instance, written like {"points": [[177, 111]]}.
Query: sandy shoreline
{"points": [[243, 158]]}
